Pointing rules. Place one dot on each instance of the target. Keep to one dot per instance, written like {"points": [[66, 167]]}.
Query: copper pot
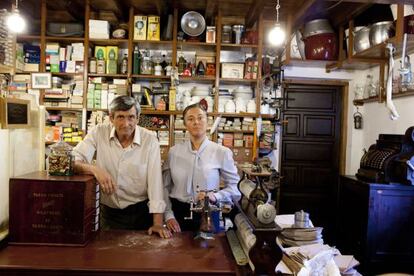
{"points": [[321, 47]]}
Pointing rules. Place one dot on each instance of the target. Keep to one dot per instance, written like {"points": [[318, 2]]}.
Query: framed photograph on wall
{"points": [[14, 113], [41, 80]]}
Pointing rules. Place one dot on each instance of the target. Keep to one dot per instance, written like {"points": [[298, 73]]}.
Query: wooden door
{"points": [[310, 152]]}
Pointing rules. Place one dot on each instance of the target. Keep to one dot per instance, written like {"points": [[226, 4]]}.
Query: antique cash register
{"points": [[390, 160]]}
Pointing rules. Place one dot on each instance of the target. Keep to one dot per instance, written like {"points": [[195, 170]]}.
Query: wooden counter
{"points": [[118, 252]]}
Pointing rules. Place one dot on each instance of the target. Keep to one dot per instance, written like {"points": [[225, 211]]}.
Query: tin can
{"points": [[211, 34], [226, 34]]}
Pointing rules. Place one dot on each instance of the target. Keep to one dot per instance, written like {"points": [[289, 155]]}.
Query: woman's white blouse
{"points": [[187, 171]]}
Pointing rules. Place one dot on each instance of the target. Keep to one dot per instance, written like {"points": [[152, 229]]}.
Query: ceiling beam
{"points": [[375, 1], [117, 7], [299, 15], [73, 8], [349, 12], [211, 6], [254, 12], [161, 6]]}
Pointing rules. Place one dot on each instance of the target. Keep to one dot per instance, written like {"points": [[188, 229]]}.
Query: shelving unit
{"points": [[174, 46]]}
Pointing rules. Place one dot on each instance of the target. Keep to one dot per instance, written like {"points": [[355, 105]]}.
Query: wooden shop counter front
{"points": [[118, 252]]}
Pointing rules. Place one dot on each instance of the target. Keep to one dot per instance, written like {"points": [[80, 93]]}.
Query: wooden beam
{"points": [[161, 6], [211, 6], [115, 6], [254, 12], [74, 8], [348, 12], [299, 15]]}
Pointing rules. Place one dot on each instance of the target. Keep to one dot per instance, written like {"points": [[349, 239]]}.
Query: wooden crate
{"points": [[53, 210]]}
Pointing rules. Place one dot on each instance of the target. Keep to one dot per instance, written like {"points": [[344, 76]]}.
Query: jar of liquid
{"points": [[146, 66]]}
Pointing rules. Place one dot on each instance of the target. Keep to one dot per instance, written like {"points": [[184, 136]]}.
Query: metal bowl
{"points": [[317, 26], [361, 40], [380, 32], [193, 23]]}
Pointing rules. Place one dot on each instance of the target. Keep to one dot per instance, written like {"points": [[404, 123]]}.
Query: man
{"points": [[128, 170]]}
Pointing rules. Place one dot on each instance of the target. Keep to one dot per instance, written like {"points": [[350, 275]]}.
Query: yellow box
{"points": [[140, 27], [98, 49], [153, 28], [112, 48]]}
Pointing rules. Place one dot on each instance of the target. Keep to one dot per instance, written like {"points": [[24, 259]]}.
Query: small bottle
{"points": [[137, 61], [92, 65], [124, 64]]}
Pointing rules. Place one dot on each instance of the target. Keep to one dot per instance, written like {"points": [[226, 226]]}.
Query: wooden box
{"points": [[53, 210]]}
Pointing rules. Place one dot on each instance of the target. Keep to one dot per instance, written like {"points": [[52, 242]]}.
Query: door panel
{"points": [[310, 153]]}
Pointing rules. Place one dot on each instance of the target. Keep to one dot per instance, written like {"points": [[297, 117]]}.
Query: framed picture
{"points": [[41, 80], [14, 113]]}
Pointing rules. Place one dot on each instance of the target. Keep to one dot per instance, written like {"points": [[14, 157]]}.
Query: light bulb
{"points": [[15, 22], [277, 35]]}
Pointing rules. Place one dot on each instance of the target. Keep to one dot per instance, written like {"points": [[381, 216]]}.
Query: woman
{"points": [[196, 164]]}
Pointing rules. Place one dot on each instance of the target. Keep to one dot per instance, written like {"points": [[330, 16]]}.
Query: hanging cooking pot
{"points": [[321, 47], [193, 23]]}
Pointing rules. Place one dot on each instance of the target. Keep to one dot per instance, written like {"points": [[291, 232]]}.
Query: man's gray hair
{"points": [[124, 103]]}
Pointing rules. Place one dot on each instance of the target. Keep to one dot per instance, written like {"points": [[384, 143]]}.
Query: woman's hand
{"points": [[105, 180], [173, 225], [162, 231]]}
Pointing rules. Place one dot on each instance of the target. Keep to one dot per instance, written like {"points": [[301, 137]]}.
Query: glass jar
{"points": [[146, 66], [226, 34], [60, 160]]}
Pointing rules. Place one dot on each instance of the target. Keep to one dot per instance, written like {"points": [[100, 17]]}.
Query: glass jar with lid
{"points": [[146, 66], [60, 160]]}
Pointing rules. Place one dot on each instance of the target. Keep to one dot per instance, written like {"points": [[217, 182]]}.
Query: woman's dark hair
{"points": [[191, 106], [124, 103]]}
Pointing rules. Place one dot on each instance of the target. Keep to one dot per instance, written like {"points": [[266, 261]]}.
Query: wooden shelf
{"points": [[241, 114], [60, 108], [154, 45], [97, 109], [150, 77], [232, 45], [109, 42], [194, 43], [235, 81], [64, 74], [156, 128], [24, 37], [400, 94], [159, 112], [235, 131], [109, 75], [198, 79], [65, 39]]}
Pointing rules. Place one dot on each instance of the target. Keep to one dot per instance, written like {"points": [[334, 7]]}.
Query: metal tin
{"points": [[238, 31], [211, 34], [226, 34]]}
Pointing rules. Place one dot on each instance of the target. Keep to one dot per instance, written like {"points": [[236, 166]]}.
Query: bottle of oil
{"points": [[137, 62]]}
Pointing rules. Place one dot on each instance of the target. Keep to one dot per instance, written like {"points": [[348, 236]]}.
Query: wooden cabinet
{"points": [[376, 224]]}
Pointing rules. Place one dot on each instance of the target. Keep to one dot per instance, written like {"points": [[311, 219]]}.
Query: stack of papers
{"points": [[346, 264], [291, 236]]}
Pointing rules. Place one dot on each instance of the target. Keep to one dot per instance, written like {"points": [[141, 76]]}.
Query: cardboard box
{"points": [[153, 28], [52, 210], [232, 70], [140, 27]]}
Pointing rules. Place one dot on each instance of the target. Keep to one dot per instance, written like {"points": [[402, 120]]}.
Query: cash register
{"points": [[390, 160]]}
